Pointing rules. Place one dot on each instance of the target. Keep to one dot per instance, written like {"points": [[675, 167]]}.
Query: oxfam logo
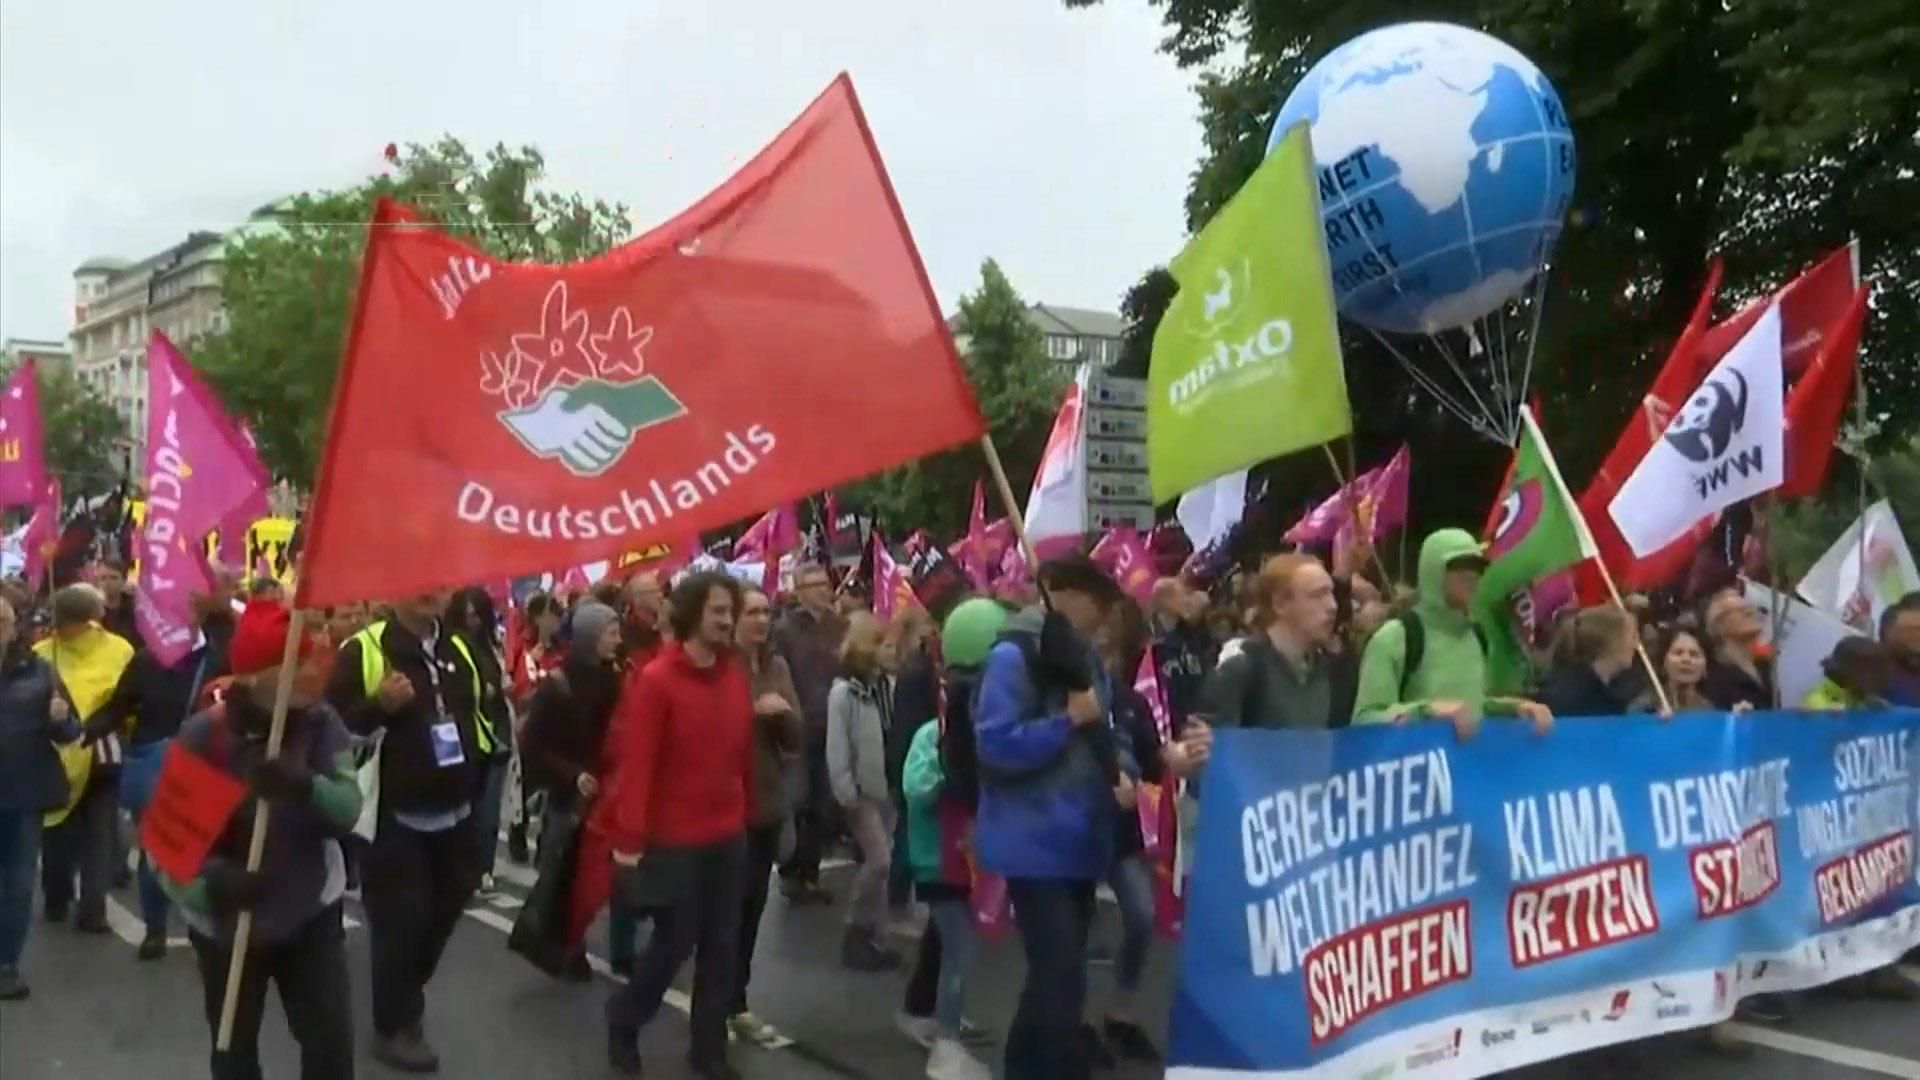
{"points": [[574, 394]]}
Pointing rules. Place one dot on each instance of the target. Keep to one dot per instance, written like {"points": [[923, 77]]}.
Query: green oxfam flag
{"points": [[1537, 531], [1246, 363]]}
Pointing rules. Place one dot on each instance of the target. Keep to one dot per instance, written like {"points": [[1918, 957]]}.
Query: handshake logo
{"points": [[575, 395]]}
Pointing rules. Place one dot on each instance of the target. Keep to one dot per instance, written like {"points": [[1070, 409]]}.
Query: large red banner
{"points": [[778, 338]]}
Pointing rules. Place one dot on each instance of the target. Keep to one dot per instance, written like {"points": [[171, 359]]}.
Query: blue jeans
{"points": [[1054, 918], [486, 813], [138, 777], [19, 851], [1132, 884], [959, 948]]}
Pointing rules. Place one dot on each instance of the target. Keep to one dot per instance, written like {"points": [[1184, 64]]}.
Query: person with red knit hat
{"points": [[298, 938]]}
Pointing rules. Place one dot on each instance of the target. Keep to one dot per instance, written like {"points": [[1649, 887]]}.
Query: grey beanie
{"points": [[590, 620]]}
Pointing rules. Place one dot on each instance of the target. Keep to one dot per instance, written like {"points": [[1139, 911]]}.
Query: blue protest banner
{"points": [[1390, 901]]}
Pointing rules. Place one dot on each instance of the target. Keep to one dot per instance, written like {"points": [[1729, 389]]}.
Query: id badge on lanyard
{"points": [[445, 733]]}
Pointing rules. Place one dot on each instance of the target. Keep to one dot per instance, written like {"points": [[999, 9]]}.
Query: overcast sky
{"points": [[1056, 141]]}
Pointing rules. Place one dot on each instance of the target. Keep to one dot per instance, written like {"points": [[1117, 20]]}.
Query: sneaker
{"points": [[860, 952], [1096, 1053], [153, 946], [923, 1030], [95, 925], [1887, 984], [975, 1036], [715, 1070], [406, 1052], [1130, 1041], [12, 986], [623, 1052], [750, 1028], [950, 1061], [1761, 1009], [1722, 1041], [517, 852]]}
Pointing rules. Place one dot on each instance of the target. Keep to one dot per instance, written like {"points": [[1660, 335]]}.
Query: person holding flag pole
{"points": [[274, 915]]}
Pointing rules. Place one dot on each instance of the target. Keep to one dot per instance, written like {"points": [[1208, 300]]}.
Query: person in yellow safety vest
{"points": [[411, 685], [87, 661]]}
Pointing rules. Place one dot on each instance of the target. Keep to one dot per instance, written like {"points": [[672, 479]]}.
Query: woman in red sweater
{"points": [[676, 812]]}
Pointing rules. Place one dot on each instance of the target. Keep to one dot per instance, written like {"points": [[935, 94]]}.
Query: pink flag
{"points": [[776, 533], [1015, 573], [200, 474], [892, 590], [830, 528], [43, 533], [1159, 823], [1123, 554], [1146, 683], [1057, 503], [1322, 523], [971, 551], [23, 465], [1379, 498], [773, 535]]}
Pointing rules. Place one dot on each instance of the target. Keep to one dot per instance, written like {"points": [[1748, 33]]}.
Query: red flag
{"points": [[192, 800], [41, 539], [1685, 366], [507, 417], [1811, 307], [1817, 402]]}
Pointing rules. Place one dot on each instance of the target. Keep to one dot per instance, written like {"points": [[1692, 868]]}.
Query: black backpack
{"points": [[1416, 651]]}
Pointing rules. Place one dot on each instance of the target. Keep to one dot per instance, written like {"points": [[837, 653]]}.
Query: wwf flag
{"points": [[1723, 446]]}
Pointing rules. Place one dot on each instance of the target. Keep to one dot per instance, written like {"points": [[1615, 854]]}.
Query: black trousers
{"points": [[814, 820], [1054, 918], [923, 988], [83, 844], [414, 886], [310, 969], [695, 897], [763, 848]]}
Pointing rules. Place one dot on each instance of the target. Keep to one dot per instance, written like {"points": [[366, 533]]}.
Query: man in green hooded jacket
{"points": [[1431, 663]]}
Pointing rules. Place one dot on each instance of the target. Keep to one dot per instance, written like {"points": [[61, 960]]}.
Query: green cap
{"points": [[970, 631]]}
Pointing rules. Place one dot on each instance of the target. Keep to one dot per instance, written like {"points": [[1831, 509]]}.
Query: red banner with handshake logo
{"points": [[778, 338]]}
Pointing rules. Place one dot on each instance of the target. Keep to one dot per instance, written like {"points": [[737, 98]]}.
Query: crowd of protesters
{"points": [[667, 752]]}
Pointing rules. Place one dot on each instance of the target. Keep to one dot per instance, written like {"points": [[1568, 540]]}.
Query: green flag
{"points": [[1246, 363], [1537, 531]]}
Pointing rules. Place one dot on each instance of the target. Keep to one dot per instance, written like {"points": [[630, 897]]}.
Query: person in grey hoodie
{"points": [[859, 713]]}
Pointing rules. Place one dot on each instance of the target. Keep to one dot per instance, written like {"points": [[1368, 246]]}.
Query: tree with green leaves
{"points": [[1019, 389], [1765, 132], [288, 278]]}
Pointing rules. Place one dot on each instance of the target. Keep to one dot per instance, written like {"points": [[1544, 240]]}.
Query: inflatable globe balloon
{"points": [[1446, 167]]}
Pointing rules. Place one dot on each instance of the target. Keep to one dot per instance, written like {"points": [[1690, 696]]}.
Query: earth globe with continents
{"points": [[1445, 171]]}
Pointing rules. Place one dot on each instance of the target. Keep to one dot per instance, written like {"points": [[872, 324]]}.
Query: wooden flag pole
{"points": [[243, 930], [1639, 643], [1012, 508]]}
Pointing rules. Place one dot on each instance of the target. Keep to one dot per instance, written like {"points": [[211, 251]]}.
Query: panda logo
{"points": [[1704, 428]]}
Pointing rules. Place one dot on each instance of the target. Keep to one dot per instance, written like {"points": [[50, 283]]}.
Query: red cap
{"points": [[260, 638]]}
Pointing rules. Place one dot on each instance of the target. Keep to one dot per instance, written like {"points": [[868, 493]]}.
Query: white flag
{"points": [[1839, 586], [1057, 504], [1723, 446], [1210, 511]]}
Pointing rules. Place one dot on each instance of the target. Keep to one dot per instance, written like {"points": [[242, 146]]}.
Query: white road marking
{"points": [[1851, 1056], [131, 929], [674, 999]]}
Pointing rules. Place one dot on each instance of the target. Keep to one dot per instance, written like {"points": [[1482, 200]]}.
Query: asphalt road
{"points": [[98, 1014]]}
